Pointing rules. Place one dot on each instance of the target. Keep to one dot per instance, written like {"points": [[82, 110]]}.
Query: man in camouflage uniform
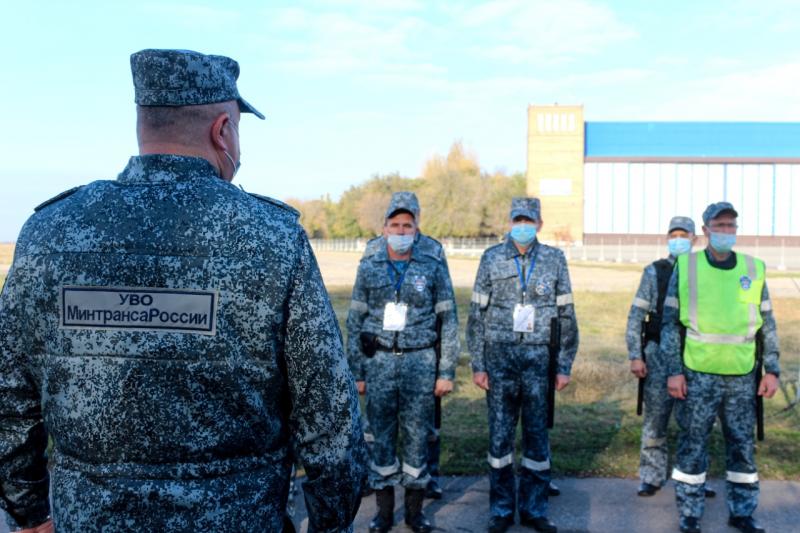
{"points": [[402, 287], [172, 334], [719, 298], [645, 314], [520, 287]]}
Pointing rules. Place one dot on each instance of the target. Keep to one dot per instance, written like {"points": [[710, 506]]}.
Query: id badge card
{"points": [[524, 318], [394, 316]]}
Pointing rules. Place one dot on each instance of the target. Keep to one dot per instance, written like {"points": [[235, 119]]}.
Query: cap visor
{"points": [[245, 107]]}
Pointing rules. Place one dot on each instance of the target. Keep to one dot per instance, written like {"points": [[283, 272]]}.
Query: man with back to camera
{"points": [[402, 287], [719, 298], [645, 313], [172, 334], [522, 291]]}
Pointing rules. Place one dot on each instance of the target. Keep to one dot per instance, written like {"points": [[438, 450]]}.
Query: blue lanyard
{"points": [[397, 276], [524, 280]]}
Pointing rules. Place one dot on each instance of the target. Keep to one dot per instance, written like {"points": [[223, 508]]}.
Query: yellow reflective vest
{"points": [[721, 312]]}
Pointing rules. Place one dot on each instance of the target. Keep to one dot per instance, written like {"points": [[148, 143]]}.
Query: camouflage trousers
{"points": [[732, 398], [400, 396], [658, 404], [518, 385]]}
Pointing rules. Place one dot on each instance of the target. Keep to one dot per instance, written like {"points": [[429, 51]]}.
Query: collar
{"points": [[416, 250], [511, 248], [166, 168], [727, 264]]}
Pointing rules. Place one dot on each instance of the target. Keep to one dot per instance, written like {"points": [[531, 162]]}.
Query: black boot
{"points": [[746, 524], [433, 491], [384, 520], [689, 524], [415, 519]]}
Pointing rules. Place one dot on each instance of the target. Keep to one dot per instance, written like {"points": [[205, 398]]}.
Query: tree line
{"points": [[457, 199]]}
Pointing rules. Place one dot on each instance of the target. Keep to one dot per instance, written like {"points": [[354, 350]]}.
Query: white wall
{"points": [[642, 197]]}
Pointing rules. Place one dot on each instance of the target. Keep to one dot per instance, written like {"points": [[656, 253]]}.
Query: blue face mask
{"points": [[400, 243], [722, 242], [679, 246], [523, 233]]}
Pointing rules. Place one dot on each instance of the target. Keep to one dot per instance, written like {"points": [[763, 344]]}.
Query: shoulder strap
{"points": [[276, 203], [57, 198]]}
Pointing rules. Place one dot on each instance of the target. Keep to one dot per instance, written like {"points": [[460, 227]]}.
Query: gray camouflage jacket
{"points": [[426, 288], [172, 334], [498, 289], [671, 329]]}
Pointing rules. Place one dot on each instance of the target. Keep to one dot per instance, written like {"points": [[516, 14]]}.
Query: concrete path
{"points": [[585, 505], [590, 505]]}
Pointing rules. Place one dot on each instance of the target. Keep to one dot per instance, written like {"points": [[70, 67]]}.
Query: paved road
{"points": [[592, 505], [587, 505]]}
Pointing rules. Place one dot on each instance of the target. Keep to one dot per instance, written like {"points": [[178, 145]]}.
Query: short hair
{"points": [[178, 123]]}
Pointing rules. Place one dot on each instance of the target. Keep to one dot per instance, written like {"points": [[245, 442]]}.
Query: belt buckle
{"points": [[397, 351]]}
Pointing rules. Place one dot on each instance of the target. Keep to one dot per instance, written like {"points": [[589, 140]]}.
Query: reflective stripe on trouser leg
{"points": [[417, 376], [534, 476], [738, 418], [500, 462]]}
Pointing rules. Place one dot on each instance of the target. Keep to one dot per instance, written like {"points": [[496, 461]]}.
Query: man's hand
{"points": [[676, 385], [362, 387], [768, 386], [481, 379], [443, 387], [47, 527], [561, 381], [638, 368]]}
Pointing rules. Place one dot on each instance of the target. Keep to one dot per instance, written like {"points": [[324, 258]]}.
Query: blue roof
{"points": [[693, 139]]}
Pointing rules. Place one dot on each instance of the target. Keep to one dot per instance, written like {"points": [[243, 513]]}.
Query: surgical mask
{"points": [[523, 234], [723, 242], [400, 243], [679, 246], [233, 163]]}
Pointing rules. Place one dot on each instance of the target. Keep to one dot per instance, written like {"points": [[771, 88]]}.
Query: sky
{"points": [[355, 88]]}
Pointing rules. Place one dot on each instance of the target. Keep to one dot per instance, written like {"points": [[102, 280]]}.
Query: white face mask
{"points": [[400, 243], [235, 165]]}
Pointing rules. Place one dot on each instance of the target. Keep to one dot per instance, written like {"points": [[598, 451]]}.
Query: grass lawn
{"points": [[597, 432]]}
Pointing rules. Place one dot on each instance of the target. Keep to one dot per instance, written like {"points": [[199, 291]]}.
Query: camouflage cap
{"points": [[715, 210], [684, 223], [525, 207], [184, 77], [405, 201]]}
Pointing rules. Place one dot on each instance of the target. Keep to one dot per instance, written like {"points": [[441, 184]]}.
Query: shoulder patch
{"points": [[276, 203], [57, 198]]}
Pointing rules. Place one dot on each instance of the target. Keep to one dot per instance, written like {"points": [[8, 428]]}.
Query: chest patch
{"points": [[745, 282], [419, 283]]}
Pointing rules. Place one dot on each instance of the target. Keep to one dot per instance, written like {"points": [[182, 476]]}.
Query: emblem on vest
{"points": [[419, 283], [745, 282], [542, 289]]}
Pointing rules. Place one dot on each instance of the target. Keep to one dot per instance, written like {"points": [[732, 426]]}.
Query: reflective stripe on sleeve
{"points": [[360, 307], [691, 479], [766, 305], [536, 466], [671, 301], [386, 471], [411, 471], [564, 299], [443, 306], [480, 299], [741, 477], [495, 462], [369, 437], [641, 303]]}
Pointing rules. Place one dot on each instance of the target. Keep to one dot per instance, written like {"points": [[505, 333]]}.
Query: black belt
{"points": [[400, 351]]}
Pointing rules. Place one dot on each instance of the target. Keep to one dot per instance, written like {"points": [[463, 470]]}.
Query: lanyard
{"points": [[397, 277], [525, 279]]}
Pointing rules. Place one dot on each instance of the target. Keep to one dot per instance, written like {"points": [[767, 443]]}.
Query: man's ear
{"points": [[219, 132]]}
